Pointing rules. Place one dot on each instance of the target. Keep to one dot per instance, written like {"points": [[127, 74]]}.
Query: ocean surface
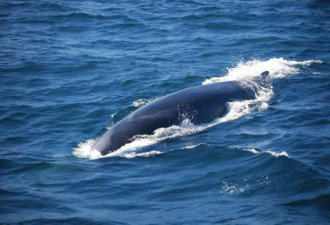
{"points": [[71, 69]]}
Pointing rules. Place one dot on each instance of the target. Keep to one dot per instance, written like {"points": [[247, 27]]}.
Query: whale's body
{"points": [[199, 104]]}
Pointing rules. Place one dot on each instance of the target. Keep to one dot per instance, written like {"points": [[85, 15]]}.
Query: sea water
{"points": [[70, 70]]}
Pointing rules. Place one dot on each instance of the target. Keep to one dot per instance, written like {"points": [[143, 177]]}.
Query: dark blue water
{"points": [[70, 69]]}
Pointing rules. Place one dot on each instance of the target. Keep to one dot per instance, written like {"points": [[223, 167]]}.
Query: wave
{"points": [[79, 15], [193, 146], [272, 153], [246, 73], [321, 200]]}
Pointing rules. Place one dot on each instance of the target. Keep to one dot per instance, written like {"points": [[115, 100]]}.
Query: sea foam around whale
{"points": [[244, 72]]}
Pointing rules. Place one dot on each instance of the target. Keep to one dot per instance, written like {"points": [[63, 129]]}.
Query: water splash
{"points": [[231, 188], [277, 67]]}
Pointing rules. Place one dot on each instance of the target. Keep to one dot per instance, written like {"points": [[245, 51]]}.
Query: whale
{"points": [[198, 104]]}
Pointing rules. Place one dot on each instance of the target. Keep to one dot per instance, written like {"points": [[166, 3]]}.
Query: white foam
{"points": [[230, 188], [85, 150], [278, 154], [277, 67], [272, 153], [244, 72], [252, 150], [142, 102], [191, 146], [159, 135], [142, 154]]}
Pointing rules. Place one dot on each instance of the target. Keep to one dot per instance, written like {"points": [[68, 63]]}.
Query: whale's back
{"points": [[199, 104]]}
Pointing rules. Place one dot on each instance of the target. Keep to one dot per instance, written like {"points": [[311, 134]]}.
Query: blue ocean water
{"points": [[70, 69]]}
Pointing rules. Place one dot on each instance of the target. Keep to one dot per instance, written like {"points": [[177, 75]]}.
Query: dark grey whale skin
{"points": [[199, 104]]}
